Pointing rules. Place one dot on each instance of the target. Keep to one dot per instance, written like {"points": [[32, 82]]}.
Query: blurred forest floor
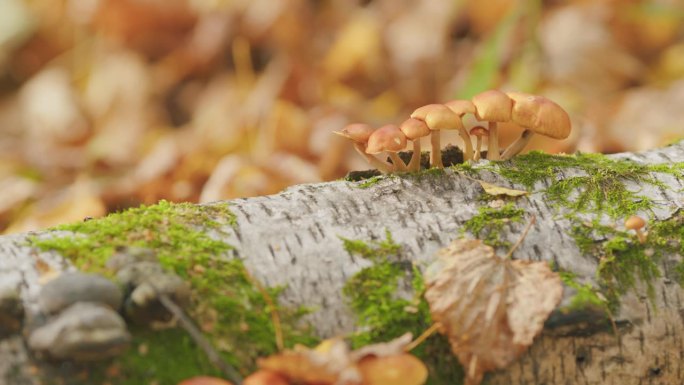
{"points": [[107, 104]]}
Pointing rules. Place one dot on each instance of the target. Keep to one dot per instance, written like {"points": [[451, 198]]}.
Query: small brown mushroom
{"points": [[539, 115], [478, 132], [460, 108], [414, 129], [391, 140], [265, 377], [636, 223], [402, 369], [493, 106], [437, 117], [359, 133]]}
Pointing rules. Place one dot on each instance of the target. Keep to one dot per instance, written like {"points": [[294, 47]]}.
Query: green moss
{"points": [[600, 188], [234, 312], [489, 223], [382, 314], [370, 181], [586, 295], [623, 260]]}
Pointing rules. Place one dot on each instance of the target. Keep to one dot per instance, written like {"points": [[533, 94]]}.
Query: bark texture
{"points": [[293, 239]]}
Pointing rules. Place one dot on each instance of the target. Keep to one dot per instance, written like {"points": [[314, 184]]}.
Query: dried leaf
{"points": [[492, 189], [331, 362], [489, 307]]}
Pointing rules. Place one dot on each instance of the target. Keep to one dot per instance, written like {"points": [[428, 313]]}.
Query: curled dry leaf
{"points": [[489, 307], [495, 190], [331, 362]]}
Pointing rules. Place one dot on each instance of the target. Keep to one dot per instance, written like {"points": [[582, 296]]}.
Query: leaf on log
{"points": [[489, 307]]}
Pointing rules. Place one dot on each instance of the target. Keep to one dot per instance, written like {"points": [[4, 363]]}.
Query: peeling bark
{"points": [[293, 239]]}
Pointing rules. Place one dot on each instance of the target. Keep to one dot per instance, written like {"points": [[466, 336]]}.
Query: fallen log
{"points": [[352, 254]]}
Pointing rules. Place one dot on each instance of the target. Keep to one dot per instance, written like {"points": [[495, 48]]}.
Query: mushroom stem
{"points": [[383, 167], [436, 154], [514, 148], [641, 236], [478, 147], [468, 145], [397, 162], [414, 164], [493, 145]]}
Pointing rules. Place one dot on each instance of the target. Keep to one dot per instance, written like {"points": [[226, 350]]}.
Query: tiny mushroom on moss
{"points": [[359, 133], [478, 132], [493, 106], [265, 377], [391, 140], [461, 107], [539, 115], [414, 129], [402, 369], [437, 117], [637, 223]]}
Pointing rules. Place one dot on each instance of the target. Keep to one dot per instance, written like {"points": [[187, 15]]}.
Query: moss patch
{"points": [[489, 223], [226, 303], [601, 187], [586, 295], [383, 315]]}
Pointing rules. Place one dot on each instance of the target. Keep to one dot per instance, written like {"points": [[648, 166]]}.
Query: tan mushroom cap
{"points": [[438, 117], [386, 138], [493, 106], [414, 129], [358, 132], [479, 131], [635, 222], [461, 107], [540, 115], [402, 369]]}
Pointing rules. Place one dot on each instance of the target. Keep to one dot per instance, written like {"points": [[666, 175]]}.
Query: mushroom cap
{"points": [[265, 377], [461, 106], [386, 138], [540, 115], [402, 369], [493, 106], [479, 131], [635, 222], [438, 117], [421, 112], [414, 129], [358, 132]]}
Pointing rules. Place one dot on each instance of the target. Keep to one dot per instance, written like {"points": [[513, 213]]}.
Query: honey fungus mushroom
{"points": [[538, 115], [359, 133], [461, 107], [415, 129], [437, 117], [636, 223], [494, 107], [478, 132], [391, 140]]}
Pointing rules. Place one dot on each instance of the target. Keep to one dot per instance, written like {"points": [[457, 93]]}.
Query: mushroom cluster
{"points": [[535, 114]]}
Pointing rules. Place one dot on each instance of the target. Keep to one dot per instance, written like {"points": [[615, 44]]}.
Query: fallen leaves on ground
{"points": [[489, 307], [332, 363]]}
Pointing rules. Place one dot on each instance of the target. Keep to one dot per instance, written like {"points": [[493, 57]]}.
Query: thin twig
{"points": [[426, 334], [522, 237], [197, 336]]}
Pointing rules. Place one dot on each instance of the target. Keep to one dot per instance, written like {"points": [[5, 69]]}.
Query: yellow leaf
{"points": [[498, 190]]}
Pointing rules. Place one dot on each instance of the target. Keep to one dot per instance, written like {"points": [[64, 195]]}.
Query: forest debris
{"points": [[331, 362], [495, 190], [490, 308]]}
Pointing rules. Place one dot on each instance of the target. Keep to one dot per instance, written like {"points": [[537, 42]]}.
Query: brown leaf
{"points": [[489, 307], [495, 190], [331, 362]]}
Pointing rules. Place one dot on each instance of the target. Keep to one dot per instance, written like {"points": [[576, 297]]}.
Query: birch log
{"points": [[293, 239]]}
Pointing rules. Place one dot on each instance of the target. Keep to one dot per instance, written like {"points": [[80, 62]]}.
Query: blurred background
{"points": [[107, 104]]}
